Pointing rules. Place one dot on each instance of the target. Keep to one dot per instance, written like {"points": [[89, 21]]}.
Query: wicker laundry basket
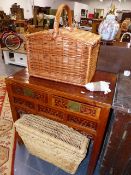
{"points": [[65, 55], [52, 141]]}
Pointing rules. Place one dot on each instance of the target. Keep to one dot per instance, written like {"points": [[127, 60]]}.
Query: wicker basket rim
{"points": [[94, 38]]}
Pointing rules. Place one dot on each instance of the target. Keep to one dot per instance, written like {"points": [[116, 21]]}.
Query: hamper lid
{"points": [[84, 37], [42, 126]]}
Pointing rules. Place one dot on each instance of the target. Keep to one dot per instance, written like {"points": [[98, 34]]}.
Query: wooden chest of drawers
{"points": [[72, 105]]}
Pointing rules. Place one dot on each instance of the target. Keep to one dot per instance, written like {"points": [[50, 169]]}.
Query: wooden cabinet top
{"points": [[122, 97], [117, 44], [75, 92], [20, 50]]}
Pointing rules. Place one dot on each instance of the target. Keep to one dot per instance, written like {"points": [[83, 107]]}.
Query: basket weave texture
{"points": [[52, 141], [69, 57]]}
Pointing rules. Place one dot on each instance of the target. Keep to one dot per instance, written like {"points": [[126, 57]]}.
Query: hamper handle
{"points": [[58, 14]]}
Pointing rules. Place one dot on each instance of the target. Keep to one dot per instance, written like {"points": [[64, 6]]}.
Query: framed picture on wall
{"points": [[84, 13]]}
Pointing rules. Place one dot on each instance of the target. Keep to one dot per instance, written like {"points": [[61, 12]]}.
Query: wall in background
{"points": [[27, 5], [54, 3], [123, 5], [77, 10]]}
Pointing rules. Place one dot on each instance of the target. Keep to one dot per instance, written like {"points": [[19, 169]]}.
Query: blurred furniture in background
{"points": [[33, 28], [4, 24], [21, 25], [3, 15], [95, 25], [125, 24], [98, 13], [123, 14], [126, 37], [86, 22], [90, 24], [40, 10], [17, 57], [17, 12]]}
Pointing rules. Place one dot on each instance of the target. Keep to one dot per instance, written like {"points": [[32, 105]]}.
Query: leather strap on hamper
{"points": [[58, 15]]}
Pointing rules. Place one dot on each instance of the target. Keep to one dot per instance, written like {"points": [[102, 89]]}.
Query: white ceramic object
{"points": [[108, 28], [127, 73]]}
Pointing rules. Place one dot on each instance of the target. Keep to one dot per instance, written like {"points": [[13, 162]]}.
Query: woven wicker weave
{"points": [[52, 141], [64, 55]]}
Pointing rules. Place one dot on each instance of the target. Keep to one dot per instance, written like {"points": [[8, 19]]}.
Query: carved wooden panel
{"points": [[28, 92], [24, 103], [17, 89], [76, 106], [48, 110], [82, 122], [90, 110], [84, 133]]}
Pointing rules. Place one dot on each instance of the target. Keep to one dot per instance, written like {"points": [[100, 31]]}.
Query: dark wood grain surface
{"points": [[114, 58]]}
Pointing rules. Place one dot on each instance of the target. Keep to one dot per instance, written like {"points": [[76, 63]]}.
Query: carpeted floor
{"points": [[7, 133]]}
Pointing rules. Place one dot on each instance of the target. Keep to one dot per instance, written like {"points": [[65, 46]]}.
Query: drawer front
{"points": [[82, 122], [67, 117], [76, 107], [24, 103], [54, 113], [75, 114], [31, 93]]}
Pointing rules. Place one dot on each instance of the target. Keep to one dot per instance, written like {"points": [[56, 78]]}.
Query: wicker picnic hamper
{"points": [[52, 141], [65, 55]]}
